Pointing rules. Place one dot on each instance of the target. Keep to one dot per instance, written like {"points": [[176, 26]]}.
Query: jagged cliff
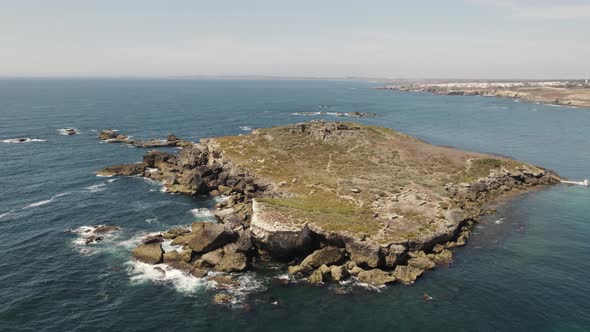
{"points": [[333, 199]]}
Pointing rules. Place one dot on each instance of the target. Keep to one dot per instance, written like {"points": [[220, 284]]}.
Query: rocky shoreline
{"points": [[567, 95], [262, 219]]}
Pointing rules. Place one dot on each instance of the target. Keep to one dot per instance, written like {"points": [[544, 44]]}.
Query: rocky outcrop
{"points": [[206, 237], [149, 253], [404, 234], [123, 170], [113, 136]]}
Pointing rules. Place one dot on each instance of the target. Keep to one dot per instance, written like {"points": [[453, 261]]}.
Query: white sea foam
{"points": [[202, 213], [23, 140], [103, 176], [183, 282], [151, 220], [168, 247], [111, 180], [4, 215], [499, 221], [85, 232], [220, 199], [96, 188], [246, 128], [47, 201]]}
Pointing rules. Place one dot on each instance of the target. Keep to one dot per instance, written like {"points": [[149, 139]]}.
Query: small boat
{"points": [[585, 183]]}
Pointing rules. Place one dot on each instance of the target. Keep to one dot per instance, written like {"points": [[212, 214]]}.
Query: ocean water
{"points": [[525, 268]]}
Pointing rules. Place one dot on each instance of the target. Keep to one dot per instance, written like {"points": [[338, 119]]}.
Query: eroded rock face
{"points": [[365, 254], [281, 239]]}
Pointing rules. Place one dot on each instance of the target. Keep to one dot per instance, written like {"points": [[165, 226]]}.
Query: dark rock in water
{"points": [[153, 239], [324, 256], [93, 239], [149, 253], [112, 136], [199, 273], [123, 170], [106, 229], [208, 236], [161, 270], [222, 298], [224, 281]]}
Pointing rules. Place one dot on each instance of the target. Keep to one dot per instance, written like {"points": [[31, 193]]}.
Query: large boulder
{"points": [[111, 135], [207, 236], [300, 271], [327, 256], [149, 253], [407, 274], [365, 254], [213, 258], [338, 273], [422, 263], [232, 262], [376, 277]]}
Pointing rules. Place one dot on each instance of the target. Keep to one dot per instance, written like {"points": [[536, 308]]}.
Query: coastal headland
{"points": [[562, 93], [332, 200]]}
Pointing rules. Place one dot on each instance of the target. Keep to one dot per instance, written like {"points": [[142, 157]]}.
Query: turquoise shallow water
{"points": [[527, 271]]}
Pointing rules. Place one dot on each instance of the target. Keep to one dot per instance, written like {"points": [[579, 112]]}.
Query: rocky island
{"points": [[563, 93], [113, 136], [333, 200]]}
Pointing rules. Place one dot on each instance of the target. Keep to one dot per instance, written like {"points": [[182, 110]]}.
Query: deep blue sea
{"points": [[525, 268]]}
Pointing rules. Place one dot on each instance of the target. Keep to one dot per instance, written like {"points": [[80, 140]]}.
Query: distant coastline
{"points": [[573, 93]]}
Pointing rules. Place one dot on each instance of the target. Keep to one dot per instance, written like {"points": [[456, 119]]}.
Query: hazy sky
{"points": [[389, 38]]}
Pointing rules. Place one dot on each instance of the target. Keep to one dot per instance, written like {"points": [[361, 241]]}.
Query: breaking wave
{"points": [[96, 188], [246, 128], [202, 213], [23, 140], [47, 201]]}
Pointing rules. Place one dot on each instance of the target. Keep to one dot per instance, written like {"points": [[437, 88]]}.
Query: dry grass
{"points": [[341, 182]]}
